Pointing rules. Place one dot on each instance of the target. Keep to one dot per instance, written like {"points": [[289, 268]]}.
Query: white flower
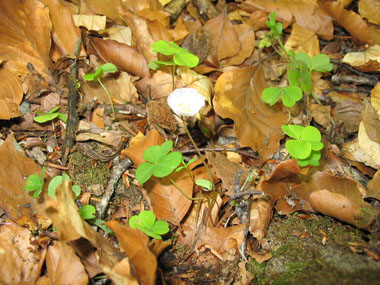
{"points": [[186, 101]]}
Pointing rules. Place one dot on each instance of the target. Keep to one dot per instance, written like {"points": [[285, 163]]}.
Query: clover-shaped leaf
{"points": [[146, 222], [35, 183], [87, 212], [299, 75], [104, 68], [298, 149], [321, 62], [302, 56]]}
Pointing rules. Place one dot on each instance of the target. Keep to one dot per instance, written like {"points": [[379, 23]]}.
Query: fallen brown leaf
{"points": [[257, 125], [10, 95]]}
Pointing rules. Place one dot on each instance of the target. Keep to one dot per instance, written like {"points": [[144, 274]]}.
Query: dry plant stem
{"points": [[234, 149], [109, 97], [117, 170], [72, 116]]}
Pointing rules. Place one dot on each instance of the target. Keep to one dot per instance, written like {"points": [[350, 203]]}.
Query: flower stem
{"points": [[109, 97], [183, 193]]}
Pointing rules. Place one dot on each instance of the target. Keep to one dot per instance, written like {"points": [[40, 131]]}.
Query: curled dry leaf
{"points": [[302, 40], [224, 38], [257, 125], [260, 215], [375, 99], [307, 14], [61, 259], [351, 21], [370, 9], [25, 36], [11, 94], [90, 22], [136, 245], [17, 203], [124, 57], [65, 32], [19, 257], [374, 186], [369, 146], [367, 61]]}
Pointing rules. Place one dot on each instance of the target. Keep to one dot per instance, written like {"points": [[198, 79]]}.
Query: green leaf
{"points": [[54, 183], [154, 65], [312, 159], [53, 110], [94, 76], [161, 227], [147, 219], [166, 165], [321, 62], [46, 117], [271, 95], [32, 183], [62, 117], [108, 67], [311, 133], [165, 148], [293, 131], [265, 42], [304, 57], [164, 47], [299, 75], [144, 172], [185, 58], [291, 95], [87, 212], [100, 223], [298, 149], [76, 189], [152, 153], [204, 183], [191, 161]]}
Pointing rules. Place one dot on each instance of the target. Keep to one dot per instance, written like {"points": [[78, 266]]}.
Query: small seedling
{"points": [[87, 212], [49, 116], [181, 56], [35, 183], [275, 32], [147, 223], [289, 94], [204, 183], [98, 74], [160, 162], [306, 144]]}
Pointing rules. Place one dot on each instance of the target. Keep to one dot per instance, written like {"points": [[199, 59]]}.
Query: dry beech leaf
{"points": [[375, 99], [11, 95], [367, 61], [353, 151], [371, 147], [302, 40], [247, 40], [338, 197], [374, 186], [349, 20], [109, 8], [124, 57], [135, 244], [370, 9], [260, 215], [218, 238], [65, 33], [90, 22], [25, 36], [61, 260], [120, 34], [19, 205], [257, 125], [18, 258], [224, 39], [307, 14]]}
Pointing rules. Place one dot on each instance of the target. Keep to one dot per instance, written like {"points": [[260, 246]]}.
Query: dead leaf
{"points": [[135, 244], [11, 95], [353, 151], [375, 99], [65, 33], [257, 125], [303, 40], [349, 20], [367, 61], [307, 14], [61, 260], [18, 257], [17, 203], [260, 215], [224, 39], [371, 147], [124, 57], [374, 186], [25, 36], [370, 9], [90, 22]]}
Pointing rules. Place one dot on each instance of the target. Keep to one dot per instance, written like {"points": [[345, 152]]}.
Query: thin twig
{"points": [[234, 149], [118, 169]]}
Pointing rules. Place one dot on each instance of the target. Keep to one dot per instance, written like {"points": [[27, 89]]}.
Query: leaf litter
{"points": [[243, 227]]}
